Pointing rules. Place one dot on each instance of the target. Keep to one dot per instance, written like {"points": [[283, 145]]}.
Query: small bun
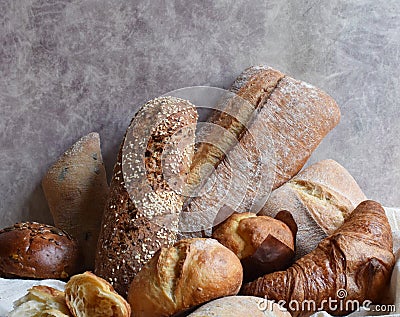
{"points": [[34, 250], [88, 295], [191, 272], [262, 243]]}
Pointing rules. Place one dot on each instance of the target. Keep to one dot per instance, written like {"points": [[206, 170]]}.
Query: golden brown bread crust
{"points": [[142, 212], [231, 117], [76, 190], [289, 125], [88, 295], [240, 306], [190, 273], [41, 301], [262, 243], [34, 250], [319, 198], [356, 258], [244, 232]]}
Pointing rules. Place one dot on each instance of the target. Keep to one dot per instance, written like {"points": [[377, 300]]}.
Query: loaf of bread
{"points": [[76, 190], [180, 277], [263, 244], [320, 198], [228, 121], [33, 250], [142, 212], [290, 122], [240, 306], [354, 264], [41, 301], [88, 295]]}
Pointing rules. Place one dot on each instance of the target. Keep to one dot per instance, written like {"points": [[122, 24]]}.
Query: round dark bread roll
{"points": [[263, 244], [34, 250]]}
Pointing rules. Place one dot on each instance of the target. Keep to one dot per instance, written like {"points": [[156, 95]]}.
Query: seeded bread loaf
{"points": [[76, 190], [290, 122], [141, 215], [320, 198]]}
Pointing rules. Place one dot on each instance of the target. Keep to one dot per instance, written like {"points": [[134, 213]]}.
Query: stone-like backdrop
{"points": [[71, 67]]}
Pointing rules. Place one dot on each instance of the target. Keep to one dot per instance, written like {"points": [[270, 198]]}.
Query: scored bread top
{"points": [[191, 272], [141, 215], [291, 120]]}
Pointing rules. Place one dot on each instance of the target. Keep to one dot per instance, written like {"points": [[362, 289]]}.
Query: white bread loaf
{"points": [[191, 272], [320, 198]]}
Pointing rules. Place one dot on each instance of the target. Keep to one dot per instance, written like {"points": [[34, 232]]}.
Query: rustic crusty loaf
{"points": [[320, 198], [290, 122], [352, 264], [191, 272], [36, 250], [88, 295], [141, 215], [300, 116], [228, 120], [240, 306], [263, 244], [76, 190], [41, 301]]}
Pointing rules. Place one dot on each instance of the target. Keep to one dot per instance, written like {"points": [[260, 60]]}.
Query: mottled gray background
{"points": [[71, 67]]}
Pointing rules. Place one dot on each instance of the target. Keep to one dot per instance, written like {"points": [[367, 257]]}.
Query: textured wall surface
{"points": [[71, 67]]}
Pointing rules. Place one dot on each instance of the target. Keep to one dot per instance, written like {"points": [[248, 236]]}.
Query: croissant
{"points": [[348, 269]]}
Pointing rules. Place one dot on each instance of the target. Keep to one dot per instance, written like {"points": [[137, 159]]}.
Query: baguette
{"points": [[320, 198], [141, 215], [76, 190]]}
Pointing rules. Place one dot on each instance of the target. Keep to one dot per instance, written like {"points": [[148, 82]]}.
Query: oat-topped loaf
{"points": [[35, 250], [145, 200]]}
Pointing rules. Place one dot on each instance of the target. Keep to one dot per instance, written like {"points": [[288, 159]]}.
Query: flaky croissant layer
{"points": [[351, 266]]}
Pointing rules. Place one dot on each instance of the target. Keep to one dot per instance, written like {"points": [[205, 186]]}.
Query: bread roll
{"points": [[141, 215], [190, 273], [34, 250], [240, 306], [352, 265], [76, 190], [88, 295], [289, 124], [41, 301], [320, 198], [263, 244]]}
